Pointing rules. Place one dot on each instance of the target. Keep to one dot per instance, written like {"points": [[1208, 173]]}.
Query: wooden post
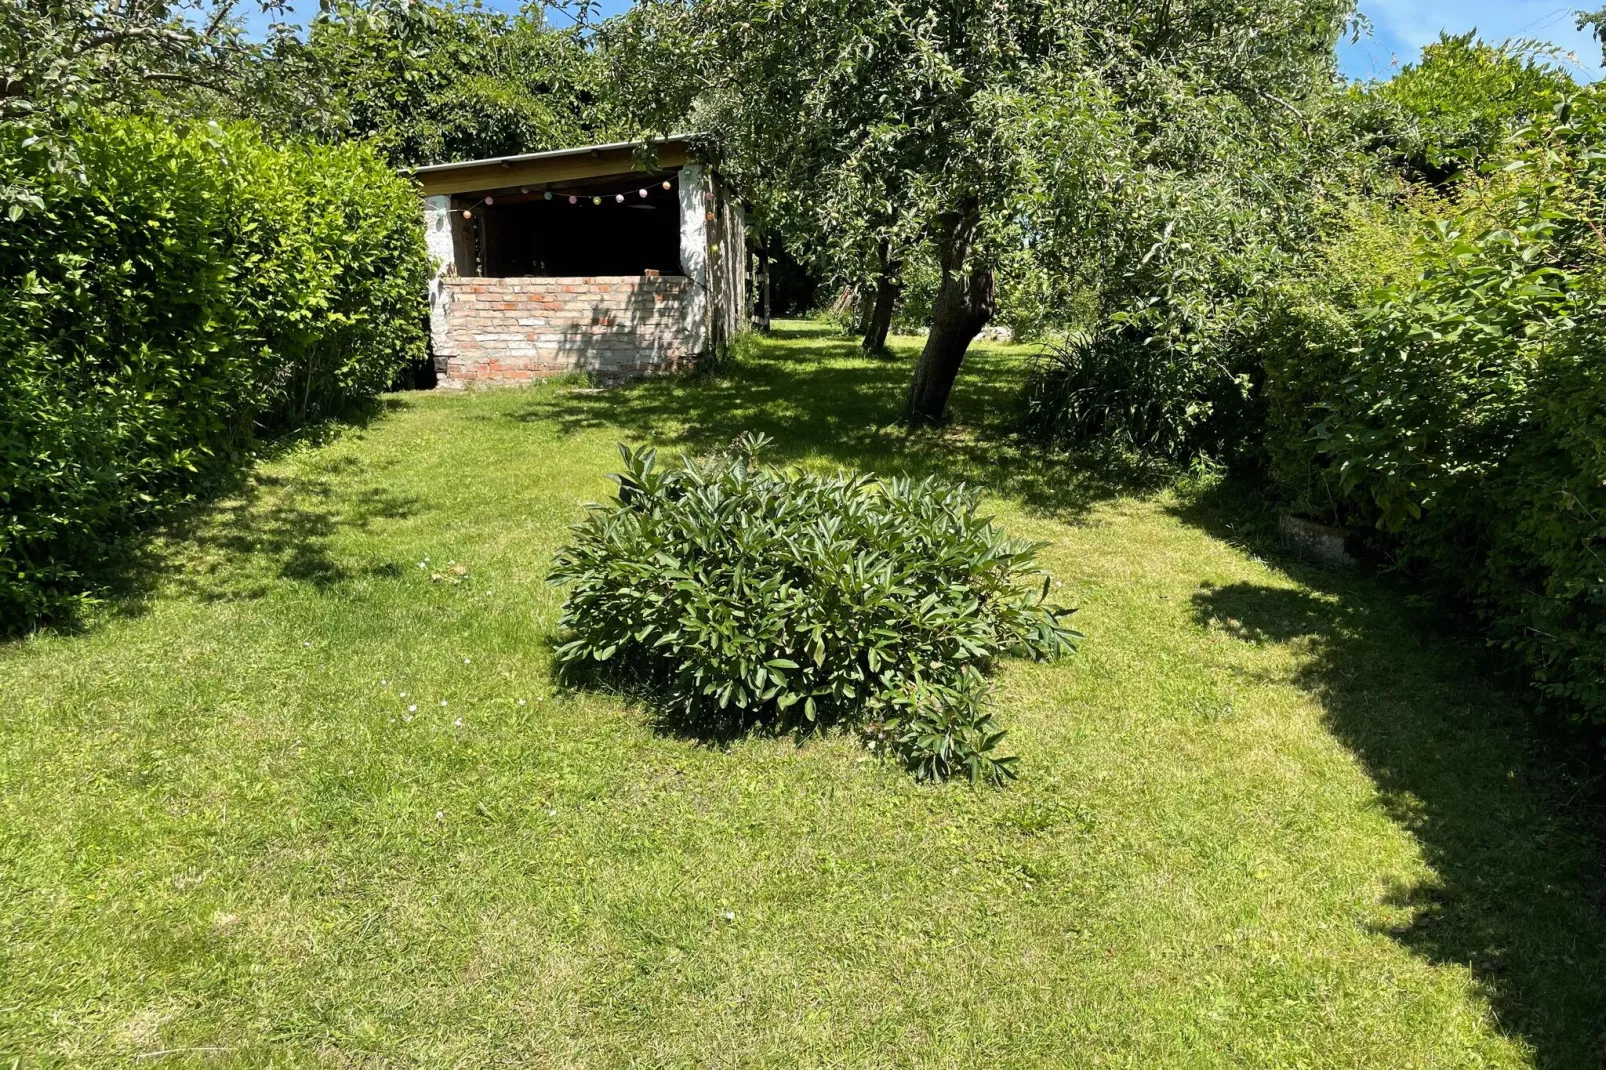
{"points": [[761, 290]]}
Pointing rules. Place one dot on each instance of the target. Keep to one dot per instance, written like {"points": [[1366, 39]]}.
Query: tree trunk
{"points": [[861, 314], [964, 305], [886, 298], [880, 317]]}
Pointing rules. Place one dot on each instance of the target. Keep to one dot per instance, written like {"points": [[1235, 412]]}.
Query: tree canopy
{"points": [[428, 83], [987, 136]]}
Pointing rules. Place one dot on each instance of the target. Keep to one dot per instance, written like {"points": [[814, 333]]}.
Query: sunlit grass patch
{"points": [[1264, 817]]}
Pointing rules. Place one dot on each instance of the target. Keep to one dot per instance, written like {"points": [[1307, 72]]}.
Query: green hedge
{"points": [[166, 300], [1461, 409]]}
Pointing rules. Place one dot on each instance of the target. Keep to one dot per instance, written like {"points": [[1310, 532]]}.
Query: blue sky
{"points": [[1399, 29]]}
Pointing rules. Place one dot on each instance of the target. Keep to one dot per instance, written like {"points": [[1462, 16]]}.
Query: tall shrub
{"points": [[1305, 335], [165, 300], [1219, 201], [1465, 419]]}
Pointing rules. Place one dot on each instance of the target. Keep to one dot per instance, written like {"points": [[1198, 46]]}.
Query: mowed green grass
{"points": [[1265, 816]]}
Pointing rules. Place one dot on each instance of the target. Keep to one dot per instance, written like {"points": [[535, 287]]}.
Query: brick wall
{"points": [[499, 332]]}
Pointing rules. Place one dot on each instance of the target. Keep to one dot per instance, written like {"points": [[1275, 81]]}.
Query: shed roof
{"points": [[554, 165]]}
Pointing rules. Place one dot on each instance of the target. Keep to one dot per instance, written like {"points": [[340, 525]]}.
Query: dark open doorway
{"points": [[582, 230]]}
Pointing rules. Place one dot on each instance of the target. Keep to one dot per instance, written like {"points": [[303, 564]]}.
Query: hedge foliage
{"points": [[1415, 352], [169, 295], [1460, 408], [744, 595]]}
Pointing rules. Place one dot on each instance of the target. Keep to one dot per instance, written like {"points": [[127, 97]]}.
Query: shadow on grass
{"points": [[241, 531], [1507, 813], [822, 401], [715, 730], [652, 698], [274, 530]]}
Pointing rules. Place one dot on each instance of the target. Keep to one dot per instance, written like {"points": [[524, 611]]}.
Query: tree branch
{"points": [[1295, 112], [198, 83], [131, 33]]}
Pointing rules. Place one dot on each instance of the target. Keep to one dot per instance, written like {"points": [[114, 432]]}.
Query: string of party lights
{"points": [[619, 198]]}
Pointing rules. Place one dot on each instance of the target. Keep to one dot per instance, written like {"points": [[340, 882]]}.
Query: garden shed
{"points": [[622, 260]]}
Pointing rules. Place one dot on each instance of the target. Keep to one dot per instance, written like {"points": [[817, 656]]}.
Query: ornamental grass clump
{"points": [[738, 595]]}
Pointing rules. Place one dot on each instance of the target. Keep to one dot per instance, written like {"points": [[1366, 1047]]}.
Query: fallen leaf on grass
{"points": [[457, 574]]}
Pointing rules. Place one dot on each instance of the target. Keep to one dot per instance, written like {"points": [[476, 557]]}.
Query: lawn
{"points": [[306, 796]]}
